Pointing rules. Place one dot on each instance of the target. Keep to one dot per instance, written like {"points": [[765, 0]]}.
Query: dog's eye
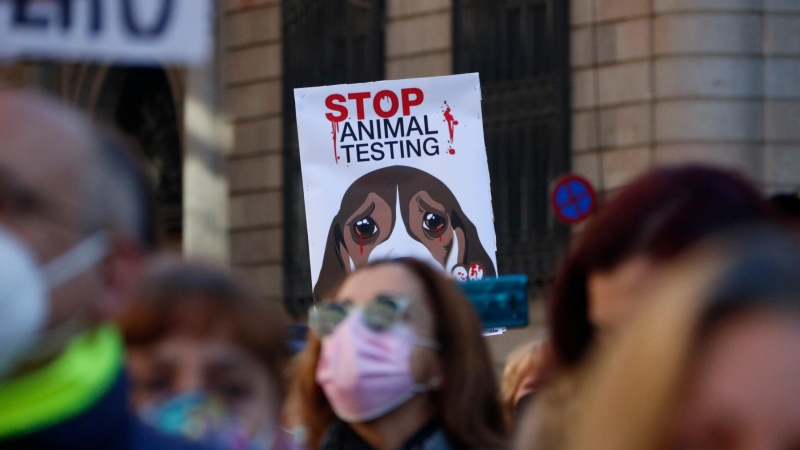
{"points": [[365, 228], [433, 223]]}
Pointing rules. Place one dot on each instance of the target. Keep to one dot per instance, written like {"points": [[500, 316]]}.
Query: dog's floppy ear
{"points": [[334, 263], [473, 249]]}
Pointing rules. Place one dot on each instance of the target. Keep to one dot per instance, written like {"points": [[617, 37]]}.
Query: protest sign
{"points": [[129, 31], [395, 168]]}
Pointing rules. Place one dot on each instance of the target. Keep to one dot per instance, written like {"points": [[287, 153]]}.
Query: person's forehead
{"points": [[42, 145], [392, 279], [215, 348], [29, 121], [751, 367]]}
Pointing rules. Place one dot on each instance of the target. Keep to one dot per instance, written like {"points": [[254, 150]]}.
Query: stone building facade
{"points": [[652, 82], [667, 81]]}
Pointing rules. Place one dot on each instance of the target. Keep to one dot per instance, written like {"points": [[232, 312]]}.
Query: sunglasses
{"points": [[378, 315]]}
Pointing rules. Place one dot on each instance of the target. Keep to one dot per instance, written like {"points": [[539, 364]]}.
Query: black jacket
{"points": [[339, 436]]}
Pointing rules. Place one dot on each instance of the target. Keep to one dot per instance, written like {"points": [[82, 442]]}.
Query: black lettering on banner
{"points": [[66, 14], [153, 31], [414, 125], [347, 148], [360, 152], [97, 16], [410, 148], [376, 148], [391, 148], [362, 130], [427, 130], [22, 17], [434, 147], [395, 131], [347, 131]]}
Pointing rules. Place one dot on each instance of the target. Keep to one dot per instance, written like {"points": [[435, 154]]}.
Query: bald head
{"points": [[43, 148], [85, 176], [62, 180]]}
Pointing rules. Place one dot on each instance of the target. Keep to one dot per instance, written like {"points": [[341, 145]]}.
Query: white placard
{"points": [[124, 31], [494, 331], [396, 168]]}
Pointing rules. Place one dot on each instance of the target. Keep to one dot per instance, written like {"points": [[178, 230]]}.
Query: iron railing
{"points": [[521, 50], [324, 42]]}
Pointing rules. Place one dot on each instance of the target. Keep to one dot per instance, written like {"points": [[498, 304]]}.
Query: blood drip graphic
{"points": [[451, 125], [360, 244], [335, 132], [475, 271]]}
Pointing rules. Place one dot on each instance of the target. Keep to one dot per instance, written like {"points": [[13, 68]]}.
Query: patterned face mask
{"points": [[198, 417]]}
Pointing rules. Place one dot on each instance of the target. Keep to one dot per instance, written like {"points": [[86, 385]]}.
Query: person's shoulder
{"points": [[144, 437]]}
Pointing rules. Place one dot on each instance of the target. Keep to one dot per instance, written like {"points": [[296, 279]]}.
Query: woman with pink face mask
{"points": [[396, 360]]}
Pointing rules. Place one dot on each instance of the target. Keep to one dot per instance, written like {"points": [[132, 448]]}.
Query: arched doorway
{"points": [[141, 103]]}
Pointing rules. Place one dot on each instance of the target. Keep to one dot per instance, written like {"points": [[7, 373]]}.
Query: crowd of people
{"points": [[673, 323]]}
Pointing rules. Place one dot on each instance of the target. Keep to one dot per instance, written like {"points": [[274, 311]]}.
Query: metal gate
{"points": [[521, 50], [324, 42]]}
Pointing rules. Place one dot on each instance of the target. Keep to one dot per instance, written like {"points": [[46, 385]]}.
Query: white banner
{"points": [[395, 168], [127, 31]]}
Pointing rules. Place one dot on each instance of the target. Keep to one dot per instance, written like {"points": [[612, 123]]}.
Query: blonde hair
{"points": [[520, 376], [635, 385]]}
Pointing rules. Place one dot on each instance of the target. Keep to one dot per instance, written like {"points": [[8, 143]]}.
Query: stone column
{"points": [[781, 34], [207, 143]]}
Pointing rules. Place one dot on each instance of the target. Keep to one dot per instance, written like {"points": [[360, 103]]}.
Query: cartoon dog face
{"points": [[401, 211]]}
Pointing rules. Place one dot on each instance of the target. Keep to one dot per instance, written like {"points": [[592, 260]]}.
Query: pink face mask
{"points": [[364, 373]]}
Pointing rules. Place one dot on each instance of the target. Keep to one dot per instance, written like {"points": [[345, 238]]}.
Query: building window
{"points": [[521, 50], [324, 42]]}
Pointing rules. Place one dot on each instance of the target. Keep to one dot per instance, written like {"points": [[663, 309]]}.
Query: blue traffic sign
{"points": [[573, 199]]}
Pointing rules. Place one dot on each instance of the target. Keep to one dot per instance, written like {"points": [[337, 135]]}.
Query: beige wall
{"points": [[207, 143], [253, 86], [418, 38], [666, 81]]}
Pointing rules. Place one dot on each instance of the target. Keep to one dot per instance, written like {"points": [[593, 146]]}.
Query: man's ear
{"points": [[122, 271]]}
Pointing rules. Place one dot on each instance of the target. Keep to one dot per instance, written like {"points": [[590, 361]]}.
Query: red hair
{"points": [[658, 215]]}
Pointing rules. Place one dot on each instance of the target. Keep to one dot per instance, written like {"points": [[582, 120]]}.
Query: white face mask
{"points": [[24, 289]]}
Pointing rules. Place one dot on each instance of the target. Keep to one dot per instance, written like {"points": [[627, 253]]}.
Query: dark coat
{"points": [[108, 425], [340, 436]]}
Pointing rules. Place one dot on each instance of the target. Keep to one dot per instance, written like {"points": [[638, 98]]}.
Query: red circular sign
{"points": [[573, 199]]}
